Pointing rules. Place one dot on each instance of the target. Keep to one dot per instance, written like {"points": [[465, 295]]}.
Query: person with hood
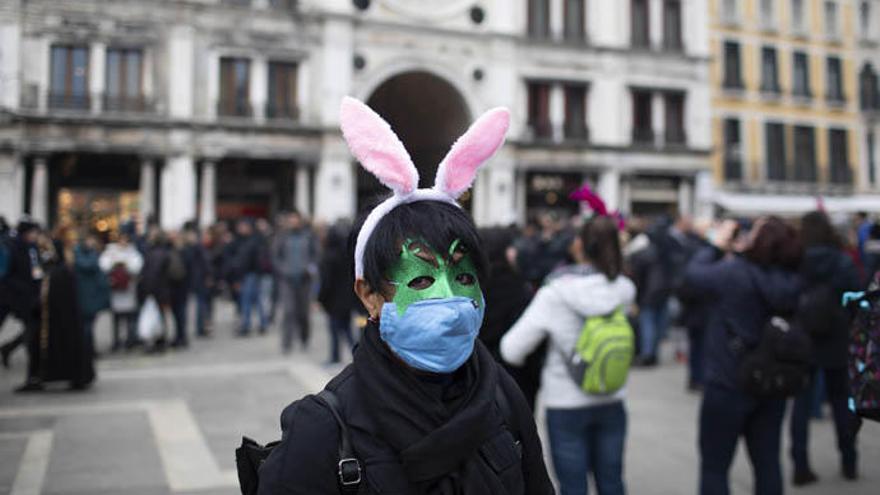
{"points": [[745, 285], [92, 286], [507, 295], [428, 410], [827, 273], [122, 263], [587, 432]]}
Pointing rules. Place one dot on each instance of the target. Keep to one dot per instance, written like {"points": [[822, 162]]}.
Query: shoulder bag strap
{"points": [[349, 468]]}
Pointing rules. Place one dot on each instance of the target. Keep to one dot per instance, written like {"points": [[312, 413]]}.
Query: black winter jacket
{"points": [[305, 462]]}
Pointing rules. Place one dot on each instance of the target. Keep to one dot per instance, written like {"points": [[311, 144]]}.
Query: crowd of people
{"points": [[719, 281]]}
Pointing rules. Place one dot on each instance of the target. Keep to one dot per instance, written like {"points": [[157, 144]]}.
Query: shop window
{"points": [[124, 85], [234, 87], [801, 79], [832, 28], [732, 66], [574, 16], [835, 81], [804, 154], [282, 102], [539, 19], [69, 85], [675, 133], [539, 110], [732, 150], [575, 112], [769, 70], [774, 143], [838, 158], [643, 132], [640, 24], [672, 26]]}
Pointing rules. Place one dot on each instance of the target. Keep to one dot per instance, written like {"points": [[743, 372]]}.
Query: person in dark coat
{"points": [[177, 273], [92, 286], [336, 271], [828, 272], [247, 266], [22, 283], [694, 308], [199, 278], [507, 295], [745, 289], [154, 281]]}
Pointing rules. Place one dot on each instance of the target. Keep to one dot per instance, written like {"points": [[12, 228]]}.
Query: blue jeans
{"points": [[725, 416], [653, 321], [588, 439], [250, 299]]}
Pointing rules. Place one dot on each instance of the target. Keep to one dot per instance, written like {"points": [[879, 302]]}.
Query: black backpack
{"points": [[780, 365], [820, 313]]}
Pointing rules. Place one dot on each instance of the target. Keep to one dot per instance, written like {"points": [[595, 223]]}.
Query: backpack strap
{"points": [[349, 469]]}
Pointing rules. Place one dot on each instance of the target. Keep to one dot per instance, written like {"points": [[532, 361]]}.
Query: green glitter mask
{"points": [[422, 274]]}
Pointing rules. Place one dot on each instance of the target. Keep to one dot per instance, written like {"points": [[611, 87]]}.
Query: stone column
{"points": [[626, 197], [259, 87], [557, 19], [685, 197], [335, 187], [609, 188], [501, 193], [208, 199], [12, 184], [97, 76], [181, 77], [557, 111], [178, 192], [40, 191], [655, 22], [302, 194], [147, 203], [658, 118]]}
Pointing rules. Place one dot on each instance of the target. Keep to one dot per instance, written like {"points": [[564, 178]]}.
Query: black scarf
{"points": [[435, 424]]}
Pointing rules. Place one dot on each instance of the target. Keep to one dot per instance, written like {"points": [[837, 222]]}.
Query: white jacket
{"points": [[559, 311], [124, 301]]}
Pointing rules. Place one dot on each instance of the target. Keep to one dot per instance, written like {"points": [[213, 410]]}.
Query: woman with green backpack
{"points": [[581, 308]]}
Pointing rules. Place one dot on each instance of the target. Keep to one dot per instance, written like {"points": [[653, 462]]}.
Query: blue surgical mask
{"points": [[434, 335]]}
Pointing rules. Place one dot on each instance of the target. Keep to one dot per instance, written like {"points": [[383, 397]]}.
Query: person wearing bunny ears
{"points": [[424, 408]]}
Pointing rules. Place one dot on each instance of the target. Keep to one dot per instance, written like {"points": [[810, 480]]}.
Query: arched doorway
{"points": [[427, 113]]}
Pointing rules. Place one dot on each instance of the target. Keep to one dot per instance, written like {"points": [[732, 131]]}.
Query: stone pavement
{"points": [[168, 424]]}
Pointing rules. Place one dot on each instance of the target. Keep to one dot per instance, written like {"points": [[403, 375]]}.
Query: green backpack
{"points": [[601, 359]]}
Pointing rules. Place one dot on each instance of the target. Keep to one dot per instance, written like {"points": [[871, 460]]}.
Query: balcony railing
{"points": [[234, 108], [282, 111], [841, 174], [65, 101], [575, 131], [643, 135], [541, 130], [132, 104], [675, 136]]}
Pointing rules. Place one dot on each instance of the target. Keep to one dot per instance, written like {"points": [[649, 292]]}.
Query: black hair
{"points": [[816, 230], [436, 223]]}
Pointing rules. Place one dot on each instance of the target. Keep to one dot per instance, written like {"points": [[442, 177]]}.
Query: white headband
{"points": [[381, 153]]}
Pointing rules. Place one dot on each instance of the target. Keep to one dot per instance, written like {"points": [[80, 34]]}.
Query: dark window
{"points": [[732, 67], [675, 118], [672, 25], [234, 87], [769, 72], [831, 22], [768, 13], [576, 112], [539, 19], [730, 11], [642, 117], [869, 92], [804, 154], [282, 102], [639, 22], [838, 157], [124, 89], [835, 82], [797, 15], [70, 77], [732, 150], [774, 141], [801, 83], [574, 20], [539, 110], [865, 19]]}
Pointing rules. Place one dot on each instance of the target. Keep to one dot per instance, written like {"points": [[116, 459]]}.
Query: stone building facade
{"points": [[213, 109]]}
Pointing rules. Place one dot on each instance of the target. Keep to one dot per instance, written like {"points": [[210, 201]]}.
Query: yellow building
{"points": [[786, 119]]}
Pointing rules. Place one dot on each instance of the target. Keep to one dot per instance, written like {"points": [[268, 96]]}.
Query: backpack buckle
{"points": [[349, 472]]}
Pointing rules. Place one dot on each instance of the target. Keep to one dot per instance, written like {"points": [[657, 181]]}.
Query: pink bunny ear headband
{"points": [[595, 203], [381, 153]]}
